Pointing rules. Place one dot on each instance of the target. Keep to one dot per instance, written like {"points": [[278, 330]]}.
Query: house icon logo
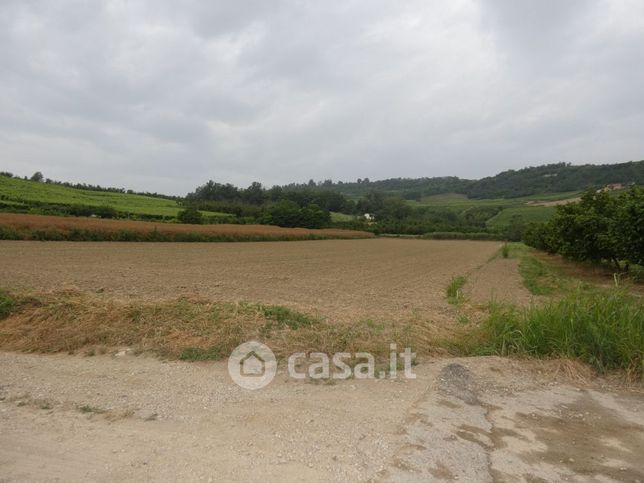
{"points": [[252, 365]]}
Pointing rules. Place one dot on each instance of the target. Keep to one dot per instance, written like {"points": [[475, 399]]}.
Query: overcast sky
{"points": [[164, 95]]}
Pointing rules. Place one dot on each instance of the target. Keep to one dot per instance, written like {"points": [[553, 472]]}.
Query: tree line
{"points": [[547, 178]]}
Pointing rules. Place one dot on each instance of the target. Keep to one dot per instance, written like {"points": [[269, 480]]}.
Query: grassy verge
{"points": [[454, 292], [7, 303], [604, 328], [538, 278], [185, 329]]}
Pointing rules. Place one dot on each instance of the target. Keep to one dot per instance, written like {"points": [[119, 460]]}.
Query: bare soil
{"points": [[391, 279]]}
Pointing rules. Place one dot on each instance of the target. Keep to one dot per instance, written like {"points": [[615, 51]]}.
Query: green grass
{"points": [[454, 292], [335, 216], [7, 303], [538, 277], [15, 190], [86, 408], [505, 250], [462, 202], [510, 206], [287, 317], [213, 353], [604, 328], [529, 214]]}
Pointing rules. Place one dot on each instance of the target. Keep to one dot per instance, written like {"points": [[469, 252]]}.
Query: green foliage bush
{"points": [[598, 228], [191, 216], [288, 214]]}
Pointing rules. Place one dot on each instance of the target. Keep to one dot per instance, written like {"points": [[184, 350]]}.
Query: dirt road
{"points": [[106, 418]]}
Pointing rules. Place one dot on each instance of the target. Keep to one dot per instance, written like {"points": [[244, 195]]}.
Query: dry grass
{"points": [[70, 321], [64, 225]]}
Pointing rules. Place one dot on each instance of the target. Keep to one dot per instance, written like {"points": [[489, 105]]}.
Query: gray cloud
{"points": [[162, 95]]}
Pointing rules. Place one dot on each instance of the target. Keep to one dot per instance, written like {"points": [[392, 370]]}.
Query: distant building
{"points": [[612, 187], [368, 217]]}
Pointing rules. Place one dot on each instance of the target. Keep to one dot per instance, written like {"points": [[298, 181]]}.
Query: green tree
{"points": [[312, 216], [37, 177], [191, 215], [582, 229], [284, 213], [628, 226], [514, 231]]}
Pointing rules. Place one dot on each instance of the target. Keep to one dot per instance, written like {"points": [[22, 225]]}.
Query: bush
{"points": [[312, 216], [191, 216], [538, 235], [284, 213]]}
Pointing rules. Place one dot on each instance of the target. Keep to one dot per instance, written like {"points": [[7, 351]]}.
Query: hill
{"points": [[22, 195], [553, 178], [549, 178]]}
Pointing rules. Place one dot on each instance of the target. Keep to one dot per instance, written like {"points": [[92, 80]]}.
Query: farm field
{"points": [[528, 214], [536, 208], [460, 201], [52, 225], [381, 279], [17, 191]]}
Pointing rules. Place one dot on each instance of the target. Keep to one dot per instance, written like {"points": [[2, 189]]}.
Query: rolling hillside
{"points": [[539, 180], [26, 196]]}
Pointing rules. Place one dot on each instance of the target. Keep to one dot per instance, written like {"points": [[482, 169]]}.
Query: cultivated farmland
{"points": [[57, 227], [384, 279], [20, 191]]}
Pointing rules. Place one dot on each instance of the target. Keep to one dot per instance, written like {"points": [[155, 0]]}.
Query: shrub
{"points": [[312, 216], [190, 215], [284, 213]]}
